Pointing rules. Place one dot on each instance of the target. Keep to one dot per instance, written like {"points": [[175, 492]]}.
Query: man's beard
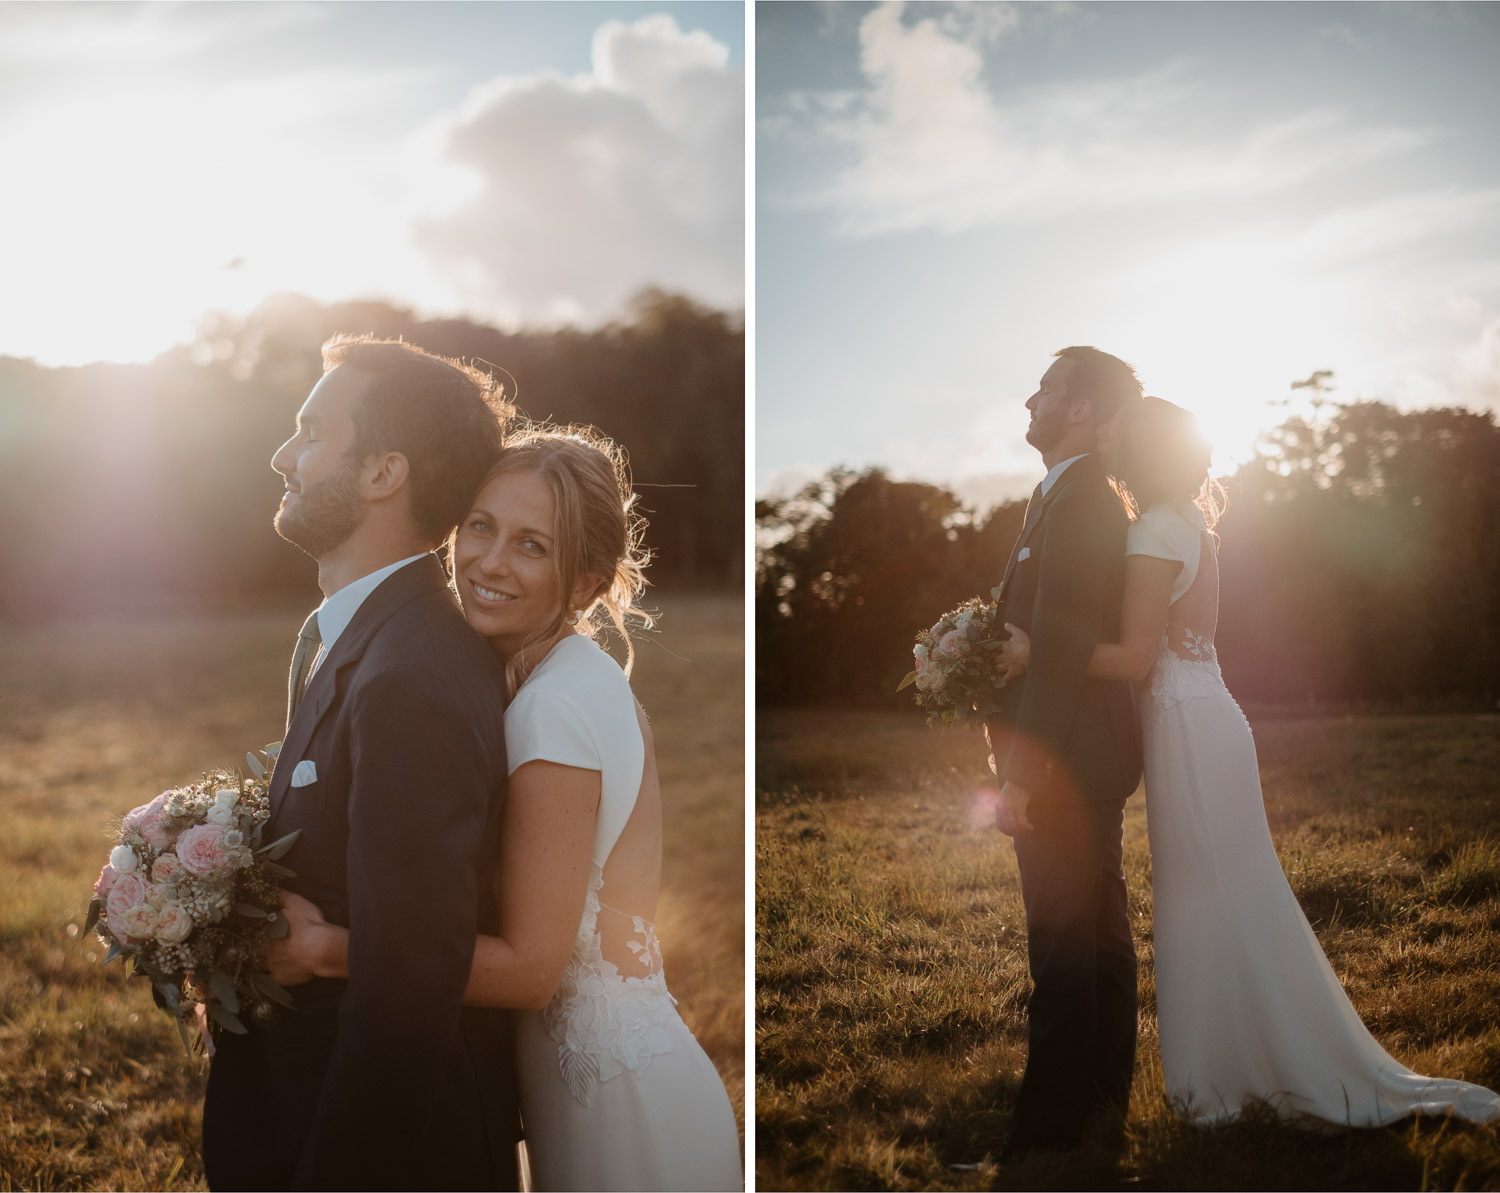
{"points": [[325, 515], [1046, 431]]}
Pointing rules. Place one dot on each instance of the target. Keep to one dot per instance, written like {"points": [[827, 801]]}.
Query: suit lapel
{"points": [[1071, 474], [399, 589]]}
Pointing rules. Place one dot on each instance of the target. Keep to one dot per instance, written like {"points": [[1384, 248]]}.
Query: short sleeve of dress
{"points": [[1168, 532], [542, 727]]}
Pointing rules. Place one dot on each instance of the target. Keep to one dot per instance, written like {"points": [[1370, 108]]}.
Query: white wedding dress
{"points": [[615, 1092], [1248, 1007]]}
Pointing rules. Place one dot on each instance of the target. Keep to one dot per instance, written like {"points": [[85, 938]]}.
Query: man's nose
{"points": [[283, 461]]}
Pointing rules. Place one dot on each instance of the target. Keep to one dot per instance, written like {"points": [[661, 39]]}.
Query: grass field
{"points": [[95, 1092], [891, 970]]}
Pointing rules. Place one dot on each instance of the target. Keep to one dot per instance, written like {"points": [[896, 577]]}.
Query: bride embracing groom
{"points": [[480, 821], [1099, 598]]}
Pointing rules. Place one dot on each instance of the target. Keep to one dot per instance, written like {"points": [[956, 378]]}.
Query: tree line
{"points": [[1359, 567], [148, 487]]}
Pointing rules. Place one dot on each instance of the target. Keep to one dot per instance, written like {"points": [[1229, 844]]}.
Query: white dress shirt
{"points": [[1047, 481], [337, 611]]}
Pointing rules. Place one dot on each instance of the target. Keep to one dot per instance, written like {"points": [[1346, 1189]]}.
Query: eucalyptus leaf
{"points": [[227, 1019], [182, 1034], [911, 678], [277, 927], [279, 871], [270, 988], [223, 990], [250, 911], [93, 918], [276, 850], [115, 950], [169, 994], [256, 768]]}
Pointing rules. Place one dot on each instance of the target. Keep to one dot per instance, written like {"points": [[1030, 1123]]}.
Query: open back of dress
{"points": [[615, 1092]]}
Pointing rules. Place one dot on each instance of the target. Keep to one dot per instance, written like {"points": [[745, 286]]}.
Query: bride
{"points": [[615, 1092], [1249, 1010]]}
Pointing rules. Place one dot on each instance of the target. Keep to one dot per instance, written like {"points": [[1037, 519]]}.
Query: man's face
{"points": [[1049, 407], [322, 505]]}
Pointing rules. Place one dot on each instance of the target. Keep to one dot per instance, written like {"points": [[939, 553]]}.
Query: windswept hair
{"points": [[1106, 381], [1163, 457], [598, 533], [446, 417]]}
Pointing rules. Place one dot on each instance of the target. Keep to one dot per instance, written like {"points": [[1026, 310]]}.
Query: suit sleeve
{"points": [[1082, 543], [418, 797]]}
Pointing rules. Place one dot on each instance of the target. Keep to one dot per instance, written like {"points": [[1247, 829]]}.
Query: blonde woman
{"points": [[615, 1092]]}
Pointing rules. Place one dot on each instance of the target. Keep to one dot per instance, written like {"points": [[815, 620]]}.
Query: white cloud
{"points": [[933, 149], [584, 189], [1477, 377]]}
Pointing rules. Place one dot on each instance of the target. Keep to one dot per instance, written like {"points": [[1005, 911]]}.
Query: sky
{"points": [[1229, 196], [521, 163]]}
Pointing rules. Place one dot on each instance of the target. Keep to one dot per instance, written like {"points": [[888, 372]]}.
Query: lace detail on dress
{"points": [[603, 1021], [1186, 670]]}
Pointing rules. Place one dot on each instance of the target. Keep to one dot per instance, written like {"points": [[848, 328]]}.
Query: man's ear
{"points": [[383, 476], [1080, 410]]}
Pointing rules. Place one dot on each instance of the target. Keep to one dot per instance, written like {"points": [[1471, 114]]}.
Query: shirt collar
{"points": [[1057, 470], [337, 611]]}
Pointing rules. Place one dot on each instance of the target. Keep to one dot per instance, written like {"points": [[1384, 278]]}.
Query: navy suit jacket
{"points": [[1058, 734], [384, 1081]]}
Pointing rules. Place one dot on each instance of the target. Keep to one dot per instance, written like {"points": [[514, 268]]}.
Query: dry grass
{"points": [[891, 970], [95, 1092]]}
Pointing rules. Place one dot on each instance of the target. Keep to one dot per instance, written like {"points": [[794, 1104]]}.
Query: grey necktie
{"points": [[1033, 510], [309, 640]]}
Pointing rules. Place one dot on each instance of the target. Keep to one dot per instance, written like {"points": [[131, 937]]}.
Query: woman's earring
{"points": [[576, 618]]}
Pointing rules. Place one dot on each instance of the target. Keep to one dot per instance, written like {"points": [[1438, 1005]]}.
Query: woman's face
{"points": [[1112, 437], [503, 560]]}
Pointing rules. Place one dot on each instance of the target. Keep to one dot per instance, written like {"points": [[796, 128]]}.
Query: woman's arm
{"points": [[547, 831], [1143, 620]]}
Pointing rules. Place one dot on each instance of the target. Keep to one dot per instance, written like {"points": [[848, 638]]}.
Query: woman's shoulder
{"points": [[577, 672], [1165, 530]]}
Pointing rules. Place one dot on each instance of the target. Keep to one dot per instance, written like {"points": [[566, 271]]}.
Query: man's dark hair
{"points": [[1105, 380], [443, 415]]}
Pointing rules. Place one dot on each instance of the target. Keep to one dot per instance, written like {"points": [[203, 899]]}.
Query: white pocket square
{"points": [[1025, 554], [306, 772]]}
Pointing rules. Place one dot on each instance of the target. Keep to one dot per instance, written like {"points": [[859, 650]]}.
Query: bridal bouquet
{"points": [[955, 673], [189, 898]]}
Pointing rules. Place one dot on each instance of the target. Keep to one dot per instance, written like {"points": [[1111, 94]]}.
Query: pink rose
{"points": [[202, 852], [129, 891], [173, 924], [166, 869], [105, 880], [147, 821], [138, 922], [948, 644]]}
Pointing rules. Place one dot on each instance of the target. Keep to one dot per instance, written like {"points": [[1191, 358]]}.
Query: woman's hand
{"points": [[305, 951], [1014, 653]]}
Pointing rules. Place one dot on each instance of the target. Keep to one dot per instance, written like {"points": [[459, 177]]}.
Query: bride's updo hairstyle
{"points": [[1163, 457], [597, 533]]}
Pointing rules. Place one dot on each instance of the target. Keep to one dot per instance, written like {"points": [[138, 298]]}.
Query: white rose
{"points": [[225, 797], [139, 922], [173, 924], [220, 814], [123, 859]]}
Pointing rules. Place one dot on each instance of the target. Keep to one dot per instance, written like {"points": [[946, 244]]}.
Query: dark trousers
{"points": [[1082, 1011]]}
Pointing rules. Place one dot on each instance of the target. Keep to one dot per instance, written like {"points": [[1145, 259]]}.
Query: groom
{"points": [[1067, 752], [393, 769]]}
